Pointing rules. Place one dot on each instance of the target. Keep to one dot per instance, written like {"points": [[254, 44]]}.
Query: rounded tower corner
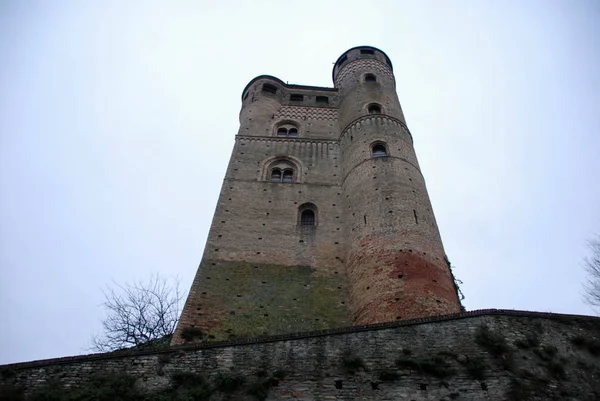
{"points": [[359, 52]]}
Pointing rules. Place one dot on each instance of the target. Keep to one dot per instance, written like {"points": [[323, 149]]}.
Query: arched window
{"points": [[307, 218], [307, 215], [378, 149], [370, 78], [276, 175], [288, 175], [374, 108], [287, 131], [281, 170]]}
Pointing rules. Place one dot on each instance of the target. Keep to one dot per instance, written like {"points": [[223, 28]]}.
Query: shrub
{"points": [[259, 390], [191, 333], [531, 341], [280, 374], [591, 344], [388, 375], [436, 366], [228, 382], [352, 363], [493, 342], [99, 388], [557, 369], [547, 352], [475, 368]]}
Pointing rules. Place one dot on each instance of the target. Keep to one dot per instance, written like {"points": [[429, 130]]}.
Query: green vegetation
{"points": [[191, 334], [459, 294], [100, 388], [229, 382], [495, 343], [436, 365], [591, 344], [475, 367], [531, 341], [352, 363], [389, 375], [185, 386]]}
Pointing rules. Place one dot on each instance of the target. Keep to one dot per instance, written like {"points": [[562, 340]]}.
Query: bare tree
{"points": [[138, 313], [591, 265]]}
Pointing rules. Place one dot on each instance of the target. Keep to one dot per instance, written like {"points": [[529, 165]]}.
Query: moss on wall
{"points": [[235, 299]]}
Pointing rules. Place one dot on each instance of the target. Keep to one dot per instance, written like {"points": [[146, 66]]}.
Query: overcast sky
{"points": [[117, 120]]}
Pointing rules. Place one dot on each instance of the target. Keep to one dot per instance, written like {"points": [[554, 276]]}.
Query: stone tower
{"points": [[323, 220]]}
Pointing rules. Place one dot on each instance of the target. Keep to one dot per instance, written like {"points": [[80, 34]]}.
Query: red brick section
{"points": [[398, 285]]}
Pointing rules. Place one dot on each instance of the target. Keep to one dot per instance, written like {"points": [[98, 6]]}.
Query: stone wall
{"points": [[480, 355]]}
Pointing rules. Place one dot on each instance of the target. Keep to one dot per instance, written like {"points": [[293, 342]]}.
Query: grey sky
{"points": [[117, 119]]}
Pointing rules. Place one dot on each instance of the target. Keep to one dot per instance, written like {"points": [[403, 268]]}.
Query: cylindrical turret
{"points": [[395, 261]]}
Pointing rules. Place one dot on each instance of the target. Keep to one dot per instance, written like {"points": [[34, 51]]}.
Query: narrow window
{"points": [[246, 95], [282, 132], [322, 100], [288, 175], [367, 51], [296, 98], [374, 109], [379, 150], [307, 218], [269, 88], [370, 78], [276, 175], [343, 60], [292, 133]]}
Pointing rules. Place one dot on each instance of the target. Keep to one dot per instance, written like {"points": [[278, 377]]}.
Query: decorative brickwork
{"points": [[370, 251], [351, 69], [306, 113]]}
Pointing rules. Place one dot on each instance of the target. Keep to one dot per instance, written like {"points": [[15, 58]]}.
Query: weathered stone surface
{"points": [[374, 254], [544, 356]]}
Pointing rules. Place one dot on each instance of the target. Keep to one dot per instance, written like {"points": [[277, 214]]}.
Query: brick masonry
{"points": [[375, 253], [316, 371]]}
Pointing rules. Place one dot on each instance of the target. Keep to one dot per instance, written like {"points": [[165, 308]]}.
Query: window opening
{"points": [[246, 95], [307, 218], [276, 175], [296, 97], [370, 78], [288, 175], [374, 109], [282, 132], [367, 51], [379, 150], [292, 133], [269, 88], [323, 99]]}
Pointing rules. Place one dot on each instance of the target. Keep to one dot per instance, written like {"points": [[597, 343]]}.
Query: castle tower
{"points": [[323, 220]]}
